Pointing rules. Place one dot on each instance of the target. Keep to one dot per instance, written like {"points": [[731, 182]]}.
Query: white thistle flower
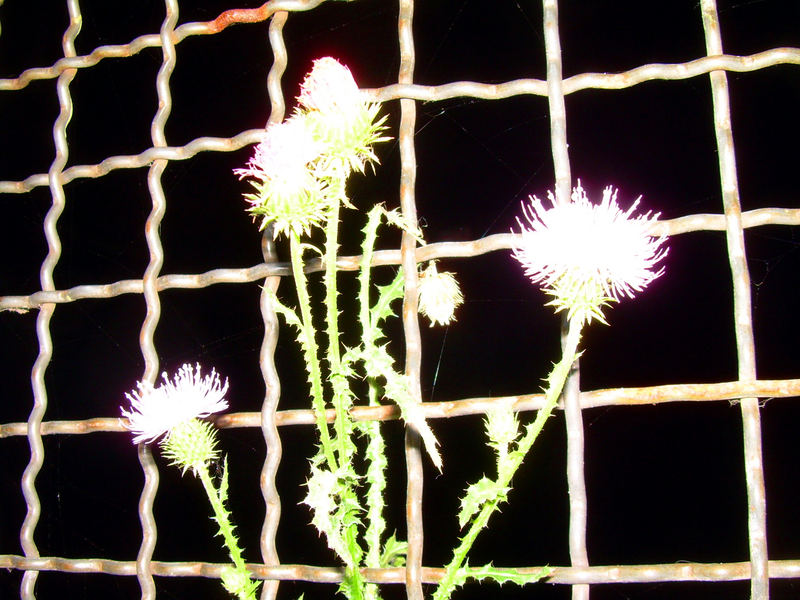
{"points": [[155, 411], [283, 154], [439, 295], [340, 117], [330, 88], [587, 255], [281, 171]]}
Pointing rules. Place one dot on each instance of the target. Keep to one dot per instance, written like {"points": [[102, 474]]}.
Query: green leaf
{"points": [[394, 553], [477, 495], [396, 218], [386, 295], [501, 575]]}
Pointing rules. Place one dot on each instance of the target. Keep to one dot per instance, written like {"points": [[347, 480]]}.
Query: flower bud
{"points": [[439, 295]]}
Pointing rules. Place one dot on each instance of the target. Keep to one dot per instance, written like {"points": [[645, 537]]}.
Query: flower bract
{"points": [[587, 255], [155, 411], [190, 444]]}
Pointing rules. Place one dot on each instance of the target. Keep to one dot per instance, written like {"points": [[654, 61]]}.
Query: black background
{"points": [[665, 483]]}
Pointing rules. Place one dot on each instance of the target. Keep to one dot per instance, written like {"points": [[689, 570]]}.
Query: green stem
{"points": [[376, 447], [367, 249], [556, 381], [356, 583], [226, 528], [338, 387], [310, 349], [376, 484]]}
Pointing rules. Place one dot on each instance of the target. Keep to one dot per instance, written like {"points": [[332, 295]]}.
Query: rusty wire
{"points": [[413, 343], [576, 484], [269, 372], [28, 483], [151, 297], [611, 81], [734, 571], [747, 389], [742, 311], [468, 249], [634, 396], [224, 20]]}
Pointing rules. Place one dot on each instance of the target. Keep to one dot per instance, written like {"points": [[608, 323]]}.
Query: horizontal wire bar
{"points": [[587, 81], [736, 571], [487, 91], [609, 81], [491, 243], [153, 40], [633, 396], [136, 161]]}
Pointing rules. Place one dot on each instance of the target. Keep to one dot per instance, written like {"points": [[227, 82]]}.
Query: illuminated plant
{"points": [[299, 173], [585, 256], [173, 412]]}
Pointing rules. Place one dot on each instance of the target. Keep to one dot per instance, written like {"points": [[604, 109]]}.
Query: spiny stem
{"points": [[506, 472], [376, 447], [332, 323], [376, 484], [226, 528], [310, 349]]}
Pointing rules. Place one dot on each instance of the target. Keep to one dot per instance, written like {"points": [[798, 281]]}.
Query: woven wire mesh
{"points": [[156, 296]]}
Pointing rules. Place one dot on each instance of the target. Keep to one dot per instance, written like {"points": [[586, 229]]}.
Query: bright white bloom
{"points": [[340, 117], [299, 169], [586, 255], [439, 295], [283, 155], [156, 411], [287, 191], [330, 88]]}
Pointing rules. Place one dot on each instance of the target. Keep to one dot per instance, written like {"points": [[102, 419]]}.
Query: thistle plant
{"points": [[171, 413], [585, 257], [299, 174]]}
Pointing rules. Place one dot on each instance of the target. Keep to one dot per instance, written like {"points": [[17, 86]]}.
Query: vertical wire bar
{"points": [[555, 100], [28, 482], [269, 372], [152, 300], [413, 358], [742, 308], [571, 395]]}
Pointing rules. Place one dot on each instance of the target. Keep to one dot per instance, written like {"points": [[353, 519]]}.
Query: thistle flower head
{"points": [[287, 193], [156, 411], [588, 255], [284, 153], [300, 167], [340, 117], [439, 295], [329, 88]]}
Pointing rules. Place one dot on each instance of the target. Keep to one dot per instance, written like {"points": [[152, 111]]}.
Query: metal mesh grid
{"points": [[153, 283]]}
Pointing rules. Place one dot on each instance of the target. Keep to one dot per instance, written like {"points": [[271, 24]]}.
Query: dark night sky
{"points": [[665, 483]]}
